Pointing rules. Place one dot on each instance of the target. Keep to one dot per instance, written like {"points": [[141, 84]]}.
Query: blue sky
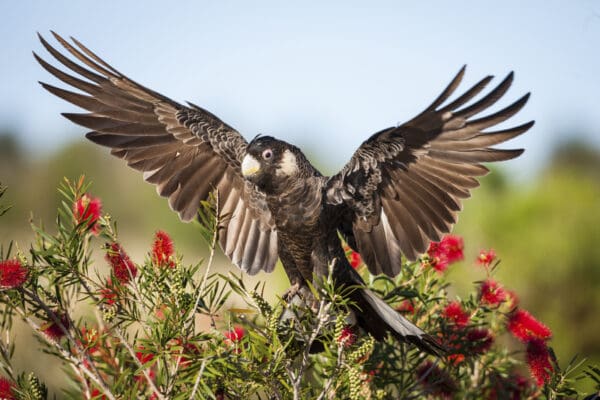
{"points": [[322, 75]]}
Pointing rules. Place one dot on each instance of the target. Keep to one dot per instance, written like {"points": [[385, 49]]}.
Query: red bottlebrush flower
{"points": [[406, 307], [466, 342], [436, 381], [538, 358], [98, 345], [123, 268], [12, 274], [437, 258], [368, 374], [90, 339], [347, 337], [235, 335], [525, 327], [486, 257], [96, 394], [353, 257], [491, 293], [6, 389], [453, 246], [53, 330], [456, 359], [455, 314], [445, 252], [480, 340], [88, 208], [143, 356], [163, 250], [455, 343], [183, 351], [109, 293]]}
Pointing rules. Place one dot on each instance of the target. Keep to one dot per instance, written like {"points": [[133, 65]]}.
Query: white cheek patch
{"points": [[288, 165]]}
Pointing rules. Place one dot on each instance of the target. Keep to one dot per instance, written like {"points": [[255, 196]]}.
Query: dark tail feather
{"points": [[378, 318]]}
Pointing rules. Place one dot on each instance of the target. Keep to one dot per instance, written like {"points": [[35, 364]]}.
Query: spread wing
{"points": [[187, 152], [403, 187]]}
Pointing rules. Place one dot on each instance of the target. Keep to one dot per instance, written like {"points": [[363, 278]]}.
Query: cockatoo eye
{"points": [[267, 154]]}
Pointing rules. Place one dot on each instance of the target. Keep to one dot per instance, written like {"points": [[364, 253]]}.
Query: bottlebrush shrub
{"points": [[146, 338]]}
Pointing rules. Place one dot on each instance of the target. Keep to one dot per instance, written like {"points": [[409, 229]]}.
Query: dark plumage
{"points": [[401, 189]]}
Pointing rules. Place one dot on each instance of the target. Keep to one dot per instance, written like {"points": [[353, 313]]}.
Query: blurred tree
{"points": [[578, 157], [10, 149], [11, 155]]}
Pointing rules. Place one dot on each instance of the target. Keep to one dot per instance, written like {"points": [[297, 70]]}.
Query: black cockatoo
{"points": [[401, 189]]}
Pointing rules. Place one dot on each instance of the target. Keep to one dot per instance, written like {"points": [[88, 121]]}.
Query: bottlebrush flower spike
{"points": [[96, 394], [455, 314], [445, 252], [538, 358], [486, 257], [88, 208], [6, 389], [491, 293], [90, 339], [143, 356], [12, 274], [347, 337], [453, 246], [437, 258], [236, 334], [53, 330], [456, 358], [109, 293], [184, 352], [123, 268], [163, 250], [480, 340], [525, 327], [406, 307], [464, 342], [454, 342], [353, 257]]}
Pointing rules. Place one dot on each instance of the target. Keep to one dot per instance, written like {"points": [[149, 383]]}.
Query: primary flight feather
{"points": [[401, 189]]}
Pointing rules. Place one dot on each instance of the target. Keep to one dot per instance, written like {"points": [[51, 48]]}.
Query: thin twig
{"points": [[296, 378], [338, 364], [197, 381], [213, 246], [6, 356]]}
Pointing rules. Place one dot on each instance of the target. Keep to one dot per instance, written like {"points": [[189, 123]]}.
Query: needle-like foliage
{"points": [[163, 329]]}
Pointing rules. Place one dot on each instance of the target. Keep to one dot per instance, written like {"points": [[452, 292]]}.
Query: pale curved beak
{"points": [[250, 166]]}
